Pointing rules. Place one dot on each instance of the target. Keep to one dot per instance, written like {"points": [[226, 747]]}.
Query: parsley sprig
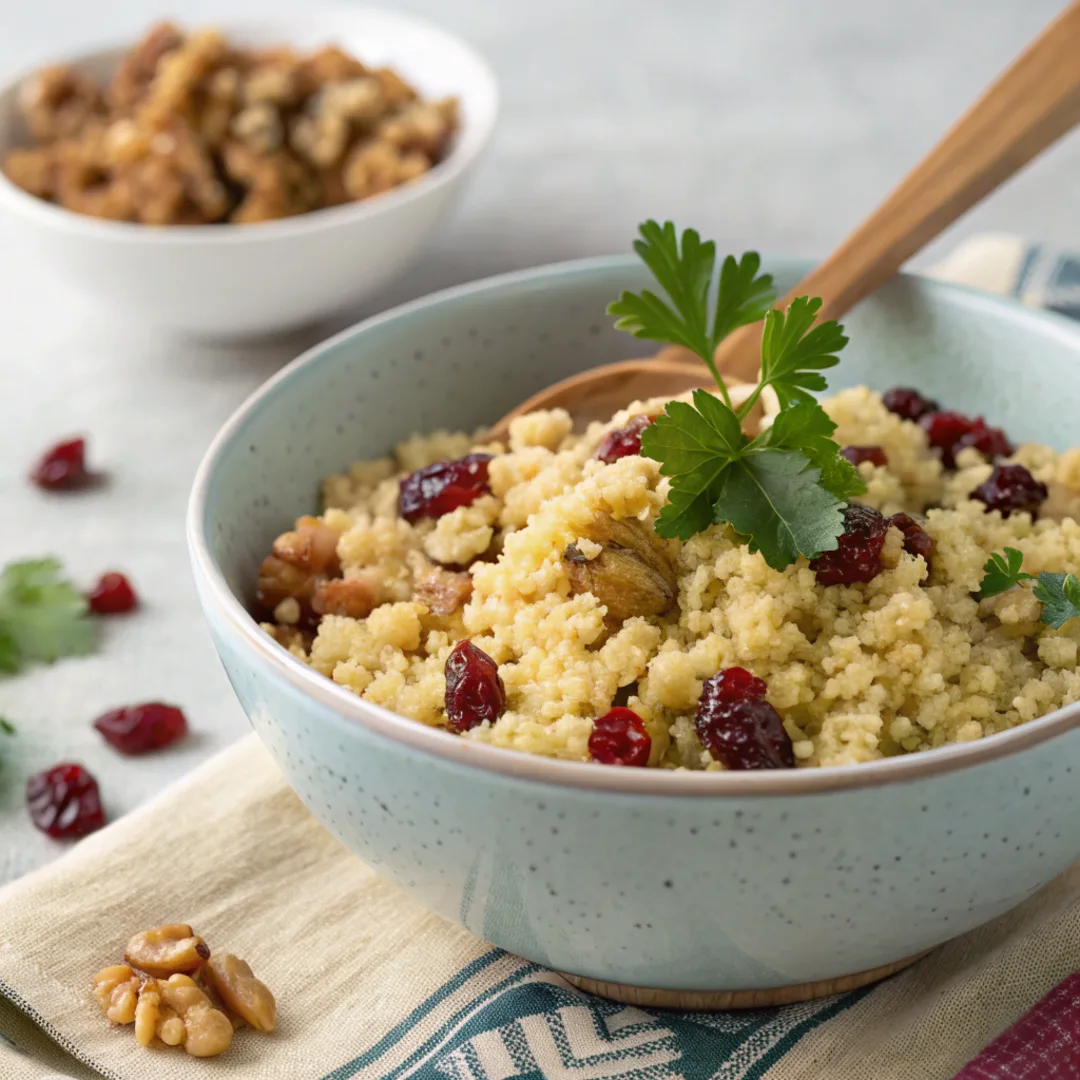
{"points": [[784, 492], [1059, 593], [42, 616]]}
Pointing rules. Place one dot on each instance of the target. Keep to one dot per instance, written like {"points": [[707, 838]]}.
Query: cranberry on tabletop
{"points": [[62, 467], [441, 488], [64, 802], [619, 738], [112, 595], [138, 729]]}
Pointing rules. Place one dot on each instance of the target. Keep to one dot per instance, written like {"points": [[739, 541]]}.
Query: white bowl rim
{"points": [[345, 708], [472, 139]]}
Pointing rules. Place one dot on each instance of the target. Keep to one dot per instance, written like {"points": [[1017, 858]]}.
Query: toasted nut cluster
{"points": [[192, 130], [181, 995]]}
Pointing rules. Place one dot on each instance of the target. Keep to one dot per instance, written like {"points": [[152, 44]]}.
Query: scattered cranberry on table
{"points": [[858, 454], [619, 738], [917, 540], [907, 403], [474, 691], [1009, 488], [624, 441], [738, 726], [62, 467], [138, 729], [64, 802], [857, 557], [438, 489], [112, 595]]}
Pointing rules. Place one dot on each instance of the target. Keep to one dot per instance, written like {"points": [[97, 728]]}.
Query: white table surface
{"points": [[774, 124]]}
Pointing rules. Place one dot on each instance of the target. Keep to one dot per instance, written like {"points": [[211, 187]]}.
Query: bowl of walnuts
{"points": [[245, 180]]}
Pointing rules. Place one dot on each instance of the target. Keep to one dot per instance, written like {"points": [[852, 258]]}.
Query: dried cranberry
{"points": [[858, 454], [907, 403], [619, 738], [62, 466], [64, 802], [858, 554], [624, 441], [112, 595], [991, 442], [916, 539], [1009, 488], [739, 727], [437, 489], [474, 691], [137, 729], [945, 432]]}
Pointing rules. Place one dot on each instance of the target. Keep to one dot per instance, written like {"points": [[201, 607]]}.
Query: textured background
{"points": [[772, 123]]}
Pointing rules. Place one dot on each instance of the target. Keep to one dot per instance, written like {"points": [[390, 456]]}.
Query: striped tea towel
{"points": [[371, 986]]}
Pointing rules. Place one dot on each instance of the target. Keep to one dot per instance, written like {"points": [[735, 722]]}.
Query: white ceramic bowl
{"points": [[225, 281]]}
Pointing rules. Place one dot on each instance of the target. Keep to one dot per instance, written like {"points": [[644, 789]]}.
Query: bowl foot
{"points": [[716, 1000]]}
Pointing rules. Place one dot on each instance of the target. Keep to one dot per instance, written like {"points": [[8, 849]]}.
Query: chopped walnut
{"points": [[443, 591], [136, 70], [117, 991], [239, 990], [354, 597], [279, 581], [57, 102], [260, 127], [167, 950], [190, 130], [207, 1031], [311, 546], [632, 574]]}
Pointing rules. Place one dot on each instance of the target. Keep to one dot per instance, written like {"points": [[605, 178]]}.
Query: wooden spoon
{"points": [[1029, 107]]}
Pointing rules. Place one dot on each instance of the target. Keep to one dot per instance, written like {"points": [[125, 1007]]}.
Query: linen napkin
{"points": [[371, 986]]}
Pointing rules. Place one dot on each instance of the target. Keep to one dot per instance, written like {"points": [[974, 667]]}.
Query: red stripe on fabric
{"points": [[1043, 1045]]}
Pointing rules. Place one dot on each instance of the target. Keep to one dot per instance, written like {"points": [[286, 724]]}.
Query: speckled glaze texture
{"points": [[717, 884]]}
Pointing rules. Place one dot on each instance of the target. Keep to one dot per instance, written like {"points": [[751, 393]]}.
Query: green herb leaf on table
{"points": [[6, 726], [1001, 573], [42, 616], [1059, 595], [784, 491]]}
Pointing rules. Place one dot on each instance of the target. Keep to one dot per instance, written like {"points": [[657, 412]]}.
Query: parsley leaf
{"points": [[6, 726], [1060, 598], [785, 491], [42, 616], [773, 498], [806, 427], [1001, 573], [684, 270]]}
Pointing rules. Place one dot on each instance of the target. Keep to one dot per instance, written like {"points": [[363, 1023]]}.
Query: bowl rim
{"points": [[472, 138], [346, 709]]}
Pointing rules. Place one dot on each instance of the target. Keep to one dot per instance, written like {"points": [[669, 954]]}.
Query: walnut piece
{"points": [[632, 574], [444, 591], [167, 950], [207, 1031], [354, 597], [57, 102], [117, 991], [231, 978]]}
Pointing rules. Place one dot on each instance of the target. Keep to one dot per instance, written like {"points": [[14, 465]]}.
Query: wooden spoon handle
{"points": [[1029, 107]]}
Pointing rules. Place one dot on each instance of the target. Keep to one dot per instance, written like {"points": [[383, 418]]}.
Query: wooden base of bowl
{"points": [[717, 1000]]}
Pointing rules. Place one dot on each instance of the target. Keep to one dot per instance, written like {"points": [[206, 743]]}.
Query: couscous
{"points": [[519, 595]]}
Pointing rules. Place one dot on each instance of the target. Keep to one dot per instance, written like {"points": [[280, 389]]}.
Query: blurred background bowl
{"points": [[225, 281]]}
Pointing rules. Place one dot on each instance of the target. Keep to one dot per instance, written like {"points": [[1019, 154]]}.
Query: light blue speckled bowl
{"points": [[680, 882]]}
